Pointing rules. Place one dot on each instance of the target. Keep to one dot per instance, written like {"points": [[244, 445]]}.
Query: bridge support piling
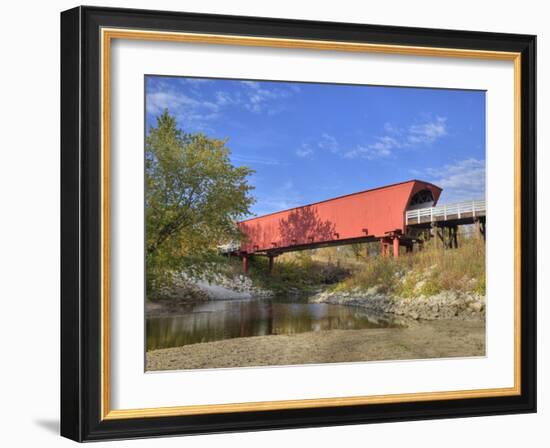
{"points": [[477, 226], [454, 237], [480, 229], [271, 260], [245, 264], [395, 247], [434, 233], [440, 237], [384, 247]]}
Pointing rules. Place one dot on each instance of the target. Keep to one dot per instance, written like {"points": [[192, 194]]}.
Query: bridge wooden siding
{"points": [[376, 214]]}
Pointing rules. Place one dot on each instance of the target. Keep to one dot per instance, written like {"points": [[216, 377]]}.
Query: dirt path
{"points": [[435, 339]]}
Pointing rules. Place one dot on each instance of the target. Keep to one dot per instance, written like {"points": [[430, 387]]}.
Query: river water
{"points": [[227, 319]]}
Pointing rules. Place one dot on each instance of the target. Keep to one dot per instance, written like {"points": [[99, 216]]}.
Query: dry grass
{"points": [[298, 271], [424, 272]]}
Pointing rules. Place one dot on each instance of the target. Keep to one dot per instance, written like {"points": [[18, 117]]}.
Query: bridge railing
{"points": [[460, 210]]}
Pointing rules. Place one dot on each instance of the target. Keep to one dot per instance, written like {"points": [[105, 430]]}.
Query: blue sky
{"points": [[309, 142]]}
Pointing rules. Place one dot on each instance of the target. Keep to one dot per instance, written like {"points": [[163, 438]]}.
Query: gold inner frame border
{"points": [[107, 35]]}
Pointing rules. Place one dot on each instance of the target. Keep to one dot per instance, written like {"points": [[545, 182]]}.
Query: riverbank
{"points": [[431, 339], [186, 292], [444, 305]]}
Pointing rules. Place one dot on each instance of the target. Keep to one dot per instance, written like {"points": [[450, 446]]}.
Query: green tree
{"points": [[193, 198]]}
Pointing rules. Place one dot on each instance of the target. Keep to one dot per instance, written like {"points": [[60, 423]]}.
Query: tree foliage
{"points": [[193, 198]]}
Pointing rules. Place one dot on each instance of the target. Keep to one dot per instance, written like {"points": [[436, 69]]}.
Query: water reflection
{"points": [[219, 320]]}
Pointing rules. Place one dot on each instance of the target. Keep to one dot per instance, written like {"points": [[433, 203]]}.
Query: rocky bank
{"points": [[443, 306], [186, 291]]}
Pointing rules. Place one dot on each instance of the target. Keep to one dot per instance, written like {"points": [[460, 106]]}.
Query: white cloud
{"points": [[258, 98], [395, 138], [188, 110], [304, 150], [255, 96], [427, 132], [224, 98], [462, 180], [326, 142], [391, 128], [158, 101], [196, 107], [329, 143], [382, 147]]}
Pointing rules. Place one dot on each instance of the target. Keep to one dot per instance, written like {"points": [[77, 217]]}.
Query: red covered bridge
{"points": [[382, 214]]}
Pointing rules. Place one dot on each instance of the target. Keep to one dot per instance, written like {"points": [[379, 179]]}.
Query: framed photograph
{"points": [[273, 223]]}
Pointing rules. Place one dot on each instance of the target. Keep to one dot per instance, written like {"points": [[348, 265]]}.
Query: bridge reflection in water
{"points": [[227, 319]]}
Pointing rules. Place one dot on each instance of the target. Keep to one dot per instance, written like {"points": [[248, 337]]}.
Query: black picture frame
{"points": [[81, 224]]}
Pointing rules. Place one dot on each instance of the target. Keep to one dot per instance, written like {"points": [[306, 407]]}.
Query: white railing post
{"points": [[477, 208]]}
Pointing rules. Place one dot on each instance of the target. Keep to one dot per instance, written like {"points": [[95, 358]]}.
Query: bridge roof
{"points": [[357, 216], [344, 196]]}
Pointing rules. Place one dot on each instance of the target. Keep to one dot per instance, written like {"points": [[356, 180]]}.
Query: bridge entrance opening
{"points": [[422, 199]]}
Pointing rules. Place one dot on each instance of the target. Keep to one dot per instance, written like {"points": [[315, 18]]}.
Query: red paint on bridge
{"points": [[373, 214]]}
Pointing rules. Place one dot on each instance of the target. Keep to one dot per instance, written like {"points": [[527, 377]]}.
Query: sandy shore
{"points": [[434, 339]]}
